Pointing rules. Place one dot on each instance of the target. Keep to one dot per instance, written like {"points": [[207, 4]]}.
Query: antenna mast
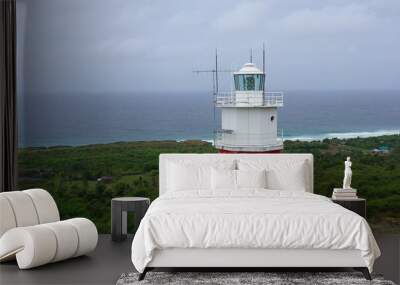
{"points": [[264, 58], [251, 55], [215, 79], [216, 71], [264, 65]]}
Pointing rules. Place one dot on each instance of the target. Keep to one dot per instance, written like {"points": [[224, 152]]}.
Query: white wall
{"points": [[250, 126]]}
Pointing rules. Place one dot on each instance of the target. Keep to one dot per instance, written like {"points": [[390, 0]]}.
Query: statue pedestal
{"points": [[345, 194], [344, 190]]}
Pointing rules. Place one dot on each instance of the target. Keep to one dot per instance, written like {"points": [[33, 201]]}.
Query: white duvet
{"points": [[250, 219]]}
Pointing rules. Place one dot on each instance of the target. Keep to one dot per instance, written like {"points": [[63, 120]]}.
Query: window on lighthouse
{"points": [[249, 82]]}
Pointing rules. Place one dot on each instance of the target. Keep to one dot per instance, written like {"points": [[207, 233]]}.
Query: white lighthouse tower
{"points": [[249, 115]]}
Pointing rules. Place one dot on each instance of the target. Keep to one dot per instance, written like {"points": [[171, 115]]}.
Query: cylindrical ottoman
{"points": [[51, 242]]}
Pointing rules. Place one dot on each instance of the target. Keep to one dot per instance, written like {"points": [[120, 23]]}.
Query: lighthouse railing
{"points": [[249, 99]]}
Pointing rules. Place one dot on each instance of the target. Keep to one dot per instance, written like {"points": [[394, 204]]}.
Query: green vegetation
{"points": [[70, 174]]}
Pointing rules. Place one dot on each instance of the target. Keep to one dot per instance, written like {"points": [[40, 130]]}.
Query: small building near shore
{"points": [[105, 179], [383, 149]]}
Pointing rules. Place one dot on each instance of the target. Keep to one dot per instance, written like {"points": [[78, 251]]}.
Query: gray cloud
{"points": [[133, 46]]}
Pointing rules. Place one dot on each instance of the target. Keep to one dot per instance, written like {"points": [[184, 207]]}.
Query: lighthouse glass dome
{"points": [[249, 82], [249, 78]]}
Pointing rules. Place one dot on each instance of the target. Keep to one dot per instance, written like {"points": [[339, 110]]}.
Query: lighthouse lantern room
{"points": [[249, 115]]}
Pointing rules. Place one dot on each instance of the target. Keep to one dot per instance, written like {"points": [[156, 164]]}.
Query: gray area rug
{"points": [[229, 278]]}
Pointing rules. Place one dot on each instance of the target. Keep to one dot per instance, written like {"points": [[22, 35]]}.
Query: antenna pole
{"points": [[264, 58], [264, 65], [251, 55], [213, 77], [216, 71]]}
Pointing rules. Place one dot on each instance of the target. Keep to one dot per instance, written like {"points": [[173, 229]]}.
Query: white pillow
{"points": [[183, 177], [251, 178], [223, 179], [289, 176], [189, 174], [281, 174]]}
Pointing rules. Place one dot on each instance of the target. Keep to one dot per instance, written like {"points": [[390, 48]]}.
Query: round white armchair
{"points": [[31, 230]]}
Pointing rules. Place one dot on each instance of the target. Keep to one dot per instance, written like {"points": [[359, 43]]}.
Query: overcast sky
{"points": [[131, 46]]}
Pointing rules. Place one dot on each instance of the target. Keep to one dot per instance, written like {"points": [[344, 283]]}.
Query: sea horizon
{"points": [[70, 120]]}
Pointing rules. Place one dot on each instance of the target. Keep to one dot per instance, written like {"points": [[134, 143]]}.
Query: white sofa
{"points": [[31, 231]]}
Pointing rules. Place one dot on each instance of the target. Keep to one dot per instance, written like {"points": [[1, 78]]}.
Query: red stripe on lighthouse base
{"points": [[249, 152]]}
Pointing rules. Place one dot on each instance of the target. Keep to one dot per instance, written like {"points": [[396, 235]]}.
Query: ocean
{"points": [[80, 119]]}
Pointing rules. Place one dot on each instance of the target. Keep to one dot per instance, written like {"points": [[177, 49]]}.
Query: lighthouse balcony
{"points": [[249, 99], [247, 142]]}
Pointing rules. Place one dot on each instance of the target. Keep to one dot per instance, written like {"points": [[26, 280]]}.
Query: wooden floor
{"points": [[110, 260]]}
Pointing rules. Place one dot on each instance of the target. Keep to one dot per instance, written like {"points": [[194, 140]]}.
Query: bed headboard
{"points": [[210, 157]]}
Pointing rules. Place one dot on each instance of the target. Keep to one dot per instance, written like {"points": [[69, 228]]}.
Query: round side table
{"points": [[119, 208]]}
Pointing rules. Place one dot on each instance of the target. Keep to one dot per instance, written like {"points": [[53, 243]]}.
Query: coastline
{"points": [[302, 138], [343, 135]]}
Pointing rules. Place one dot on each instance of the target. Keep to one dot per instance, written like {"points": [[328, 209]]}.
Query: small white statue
{"points": [[347, 174]]}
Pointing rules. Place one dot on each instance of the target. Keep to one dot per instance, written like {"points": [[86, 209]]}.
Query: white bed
{"points": [[249, 227]]}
